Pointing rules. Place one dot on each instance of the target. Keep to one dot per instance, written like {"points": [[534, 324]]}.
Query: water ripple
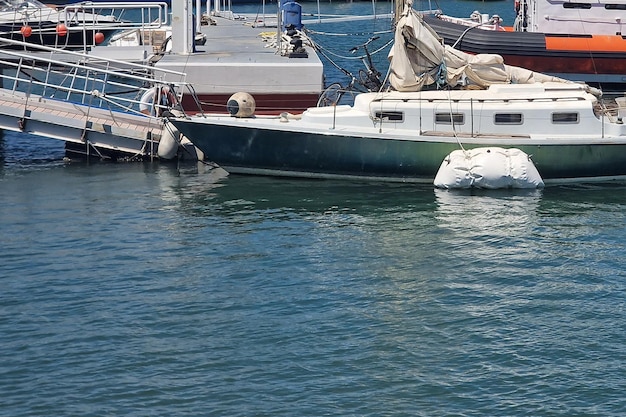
{"points": [[124, 293]]}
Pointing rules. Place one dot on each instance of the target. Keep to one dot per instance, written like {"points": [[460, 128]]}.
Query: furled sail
{"points": [[419, 58]]}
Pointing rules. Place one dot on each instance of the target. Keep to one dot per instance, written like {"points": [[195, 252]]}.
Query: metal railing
{"points": [[82, 78], [38, 24]]}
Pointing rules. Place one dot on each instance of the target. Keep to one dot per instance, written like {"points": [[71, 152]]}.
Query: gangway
{"points": [[99, 107]]}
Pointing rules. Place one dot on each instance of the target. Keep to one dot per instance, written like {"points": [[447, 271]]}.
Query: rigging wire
{"points": [[324, 50]]}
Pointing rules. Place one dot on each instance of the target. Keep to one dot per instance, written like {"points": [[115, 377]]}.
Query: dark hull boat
{"points": [[596, 59], [576, 40]]}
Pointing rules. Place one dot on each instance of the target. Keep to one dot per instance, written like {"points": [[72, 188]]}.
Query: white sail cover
{"points": [[419, 58]]}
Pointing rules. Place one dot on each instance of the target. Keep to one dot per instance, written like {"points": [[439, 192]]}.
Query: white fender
{"points": [[170, 140], [190, 150], [488, 168]]}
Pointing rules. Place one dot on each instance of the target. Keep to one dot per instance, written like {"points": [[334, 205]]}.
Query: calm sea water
{"points": [[154, 290], [143, 289]]}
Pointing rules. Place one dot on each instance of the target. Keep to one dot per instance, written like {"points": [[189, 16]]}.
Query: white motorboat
{"points": [[73, 26]]}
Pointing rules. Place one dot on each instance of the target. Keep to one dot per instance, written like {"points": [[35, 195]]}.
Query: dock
{"points": [[242, 55], [96, 100]]}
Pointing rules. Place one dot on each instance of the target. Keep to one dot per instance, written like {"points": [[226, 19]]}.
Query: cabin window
{"points": [[389, 116], [562, 118], [508, 119], [450, 118], [571, 5], [615, 6]]}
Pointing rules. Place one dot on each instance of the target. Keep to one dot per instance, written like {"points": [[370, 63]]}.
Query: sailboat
{"points": [[530, 128]]}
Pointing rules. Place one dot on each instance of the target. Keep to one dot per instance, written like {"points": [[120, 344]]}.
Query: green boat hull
{"points": [[285, 153]]}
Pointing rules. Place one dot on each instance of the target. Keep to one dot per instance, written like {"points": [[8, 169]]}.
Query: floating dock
{"points": [[96, 100], [239, 56]]}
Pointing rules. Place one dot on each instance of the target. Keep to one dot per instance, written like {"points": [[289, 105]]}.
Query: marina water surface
{"points": [[146, 289]]}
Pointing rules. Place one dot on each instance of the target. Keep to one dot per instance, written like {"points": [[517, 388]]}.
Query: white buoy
{"points": [[490, 168]]}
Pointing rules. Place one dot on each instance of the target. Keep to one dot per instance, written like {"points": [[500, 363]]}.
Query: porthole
{"points": [[389, 116], [450, 118], [565, 118], [508, 119]]}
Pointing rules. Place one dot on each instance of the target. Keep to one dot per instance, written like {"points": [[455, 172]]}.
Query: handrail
{"points": [[86, 79], [80, 58], [154, 15]]}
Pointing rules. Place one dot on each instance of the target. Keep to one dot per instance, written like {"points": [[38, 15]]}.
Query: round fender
{"points": [[241, 105]]}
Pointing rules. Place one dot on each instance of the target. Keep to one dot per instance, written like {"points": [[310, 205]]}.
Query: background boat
{"points": [[67, 27], [583, 44]]}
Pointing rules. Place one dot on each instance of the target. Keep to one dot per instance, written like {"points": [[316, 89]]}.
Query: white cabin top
{"points": [[549, 91]]}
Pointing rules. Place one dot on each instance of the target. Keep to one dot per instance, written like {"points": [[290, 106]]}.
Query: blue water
{"points": [[140, 289]]}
